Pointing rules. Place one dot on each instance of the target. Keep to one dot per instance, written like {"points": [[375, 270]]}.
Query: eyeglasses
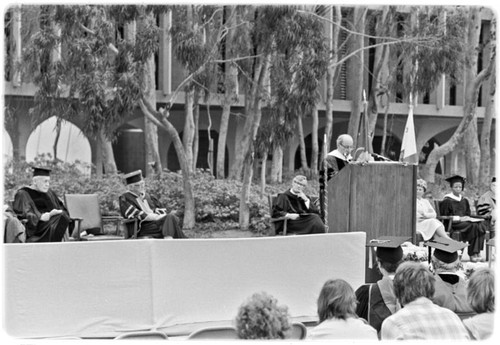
{"points": [[346, 147], [300, 184]]}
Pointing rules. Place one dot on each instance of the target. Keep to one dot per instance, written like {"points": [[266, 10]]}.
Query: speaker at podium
{"points": [[378, 198]]}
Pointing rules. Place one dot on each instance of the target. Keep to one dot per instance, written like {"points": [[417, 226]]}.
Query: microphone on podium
{"points": [[380, 157]]}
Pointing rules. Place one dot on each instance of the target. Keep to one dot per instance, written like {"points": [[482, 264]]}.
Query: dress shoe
{"points": [[476, 258]]}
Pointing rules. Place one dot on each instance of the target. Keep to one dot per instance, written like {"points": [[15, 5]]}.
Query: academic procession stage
{"points": [[102, 289]]}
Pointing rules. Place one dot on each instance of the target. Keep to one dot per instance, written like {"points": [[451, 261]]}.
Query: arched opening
{"points": [[203, 153], [72, 145], [7, 148]]}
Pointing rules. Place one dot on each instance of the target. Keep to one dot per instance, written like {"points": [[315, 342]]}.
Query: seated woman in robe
{"points": [[471, 230], [427, 224]]}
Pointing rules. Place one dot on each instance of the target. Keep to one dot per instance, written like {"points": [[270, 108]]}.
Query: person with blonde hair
{"points": [[481, 296], [427, 224], [260, 317], [337, 314]]}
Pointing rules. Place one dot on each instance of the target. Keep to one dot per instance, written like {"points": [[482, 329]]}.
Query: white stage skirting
{"points": [[104, 288]]}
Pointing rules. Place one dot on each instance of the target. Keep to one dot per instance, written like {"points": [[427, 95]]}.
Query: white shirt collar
{"points": [[453, 196], [338, 154]]}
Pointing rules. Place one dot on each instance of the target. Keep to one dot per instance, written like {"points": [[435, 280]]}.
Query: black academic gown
{"points": [[335, 161], [308, 223], [472, 232], [376, 302], [167, 226], [30, 204]]}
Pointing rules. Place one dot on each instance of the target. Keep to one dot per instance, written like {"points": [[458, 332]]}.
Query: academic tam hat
{"points": [[40, 171], [445, 249], [456, 178], [133, 177], [389, 248]]}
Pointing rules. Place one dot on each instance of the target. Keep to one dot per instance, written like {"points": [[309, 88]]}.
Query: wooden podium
{"points": [[378, 198]]}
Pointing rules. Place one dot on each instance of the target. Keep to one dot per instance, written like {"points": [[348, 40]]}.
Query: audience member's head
{"points": [[41, 179], [457, 183], [389, 253], [421, 188], [422, 184], [260, 317], [299, 182], [413, 280], [389, 260], [445, 257], [481, 291], [135, 182], [336, 300]]}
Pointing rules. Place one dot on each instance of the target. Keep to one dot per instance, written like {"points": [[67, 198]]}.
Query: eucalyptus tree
{"points": [[456, 46], [291, 57], [68, 58]]}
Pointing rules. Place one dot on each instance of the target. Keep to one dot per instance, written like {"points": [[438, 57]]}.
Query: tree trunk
{"points": [[378, 88], [153, 161], [356, 68], [189, 205], [230, 93], [485, 165], [263, 174], [336, 17], [221, 145], [244, 218], [108, 157], [276, 164], [252, 120], [56, 139], [196, 121], [302, 145], [189, 128]]}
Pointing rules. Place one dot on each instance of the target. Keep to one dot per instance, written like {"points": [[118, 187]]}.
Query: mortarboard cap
{"points": [[389, 248], [456, 178], [445, 249], [39, 171], [133, 177]]}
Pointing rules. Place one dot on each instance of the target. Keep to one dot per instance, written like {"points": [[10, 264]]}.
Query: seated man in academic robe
{"points": [[154, 222], [303, 216], [334, 162], [47, 217]]}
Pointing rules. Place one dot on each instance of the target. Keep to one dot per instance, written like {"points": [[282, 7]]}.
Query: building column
{"points": [[165, 55]]}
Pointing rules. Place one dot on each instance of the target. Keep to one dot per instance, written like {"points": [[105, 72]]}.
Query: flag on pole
{"points": [[409, 146]]}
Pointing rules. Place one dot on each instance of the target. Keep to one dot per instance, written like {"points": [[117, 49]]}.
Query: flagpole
{"points": [[325, 179], [365, 125]]}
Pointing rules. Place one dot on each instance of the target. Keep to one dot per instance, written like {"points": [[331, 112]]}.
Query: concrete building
{"points": [[436, 115]]}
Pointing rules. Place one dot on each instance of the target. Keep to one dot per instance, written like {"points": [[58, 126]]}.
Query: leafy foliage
{"points": [[96, 65], [429, 47]]}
